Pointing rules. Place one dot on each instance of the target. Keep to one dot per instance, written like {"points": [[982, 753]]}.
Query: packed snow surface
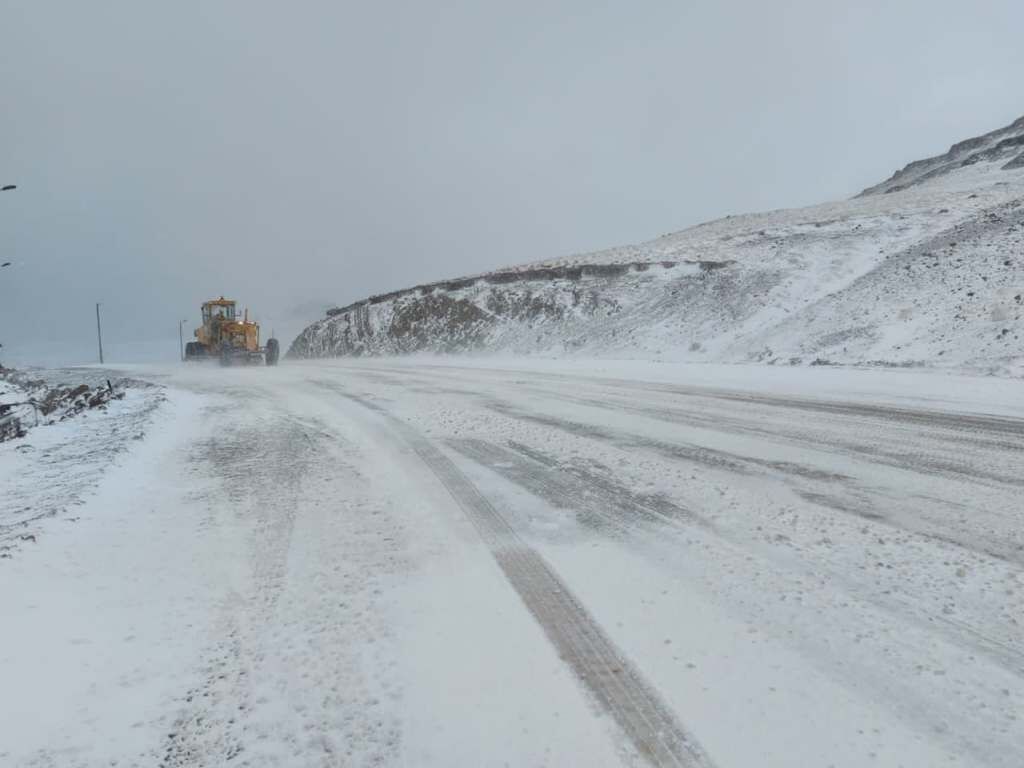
{"points": [[451, 562], [924, 270]]}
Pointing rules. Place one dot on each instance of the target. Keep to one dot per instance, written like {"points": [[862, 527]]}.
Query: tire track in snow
{"points": [[711, 458], [599, 502], [607, 505], [991, 426], [913, 459], [854, 499], [305, 596], [608, 675], [843, 494], [210, 724], [602, 504]]}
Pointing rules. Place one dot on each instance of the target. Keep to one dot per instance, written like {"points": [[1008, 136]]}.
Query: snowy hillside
{"points": [[926, 268]]}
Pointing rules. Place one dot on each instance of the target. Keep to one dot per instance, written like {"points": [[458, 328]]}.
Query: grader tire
{"points": [[273, 351]]}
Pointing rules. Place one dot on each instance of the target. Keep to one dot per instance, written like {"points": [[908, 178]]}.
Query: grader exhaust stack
{"points": [[225, 337]]}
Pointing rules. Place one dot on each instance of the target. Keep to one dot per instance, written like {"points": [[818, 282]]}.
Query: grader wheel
{"points": [[273, 351]]}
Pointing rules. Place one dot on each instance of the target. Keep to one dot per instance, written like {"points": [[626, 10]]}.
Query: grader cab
{"points": [[226, 337]]}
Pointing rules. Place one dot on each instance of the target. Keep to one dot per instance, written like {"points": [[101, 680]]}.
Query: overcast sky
{"points": [[297, 155]]}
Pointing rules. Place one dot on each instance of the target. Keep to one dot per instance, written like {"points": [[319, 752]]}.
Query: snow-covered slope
{"points": [[930, 272]]}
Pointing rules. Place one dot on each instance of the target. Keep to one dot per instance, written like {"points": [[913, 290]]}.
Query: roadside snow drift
{"points": [[923, 269]]}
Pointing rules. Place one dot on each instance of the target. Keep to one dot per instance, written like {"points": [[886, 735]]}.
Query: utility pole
{"points": [[99, 333], [181, 338], [7, 188]]}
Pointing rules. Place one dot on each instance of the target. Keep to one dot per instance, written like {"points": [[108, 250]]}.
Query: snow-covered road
{"points": [[430, 562]]}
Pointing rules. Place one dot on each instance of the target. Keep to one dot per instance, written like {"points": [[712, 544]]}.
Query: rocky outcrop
{"points": [[1005, 145], [32, 401], [536, 309]]}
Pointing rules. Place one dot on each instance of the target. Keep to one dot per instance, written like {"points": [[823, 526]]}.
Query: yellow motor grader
{"points": [[225, 337]]}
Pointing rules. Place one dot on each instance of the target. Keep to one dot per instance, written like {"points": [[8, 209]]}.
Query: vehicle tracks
{"points": [[613, 681]]}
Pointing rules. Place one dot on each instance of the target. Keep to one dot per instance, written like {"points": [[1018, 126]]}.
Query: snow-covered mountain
{"points": [[926, 268]]}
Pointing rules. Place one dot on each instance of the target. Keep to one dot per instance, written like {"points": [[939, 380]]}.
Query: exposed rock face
{"points": [[932, 272], [542, 309], [1005, 145], [1017, 162]]}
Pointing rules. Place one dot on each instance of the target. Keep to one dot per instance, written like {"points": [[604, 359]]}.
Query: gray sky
{"points": [[298, 155]]}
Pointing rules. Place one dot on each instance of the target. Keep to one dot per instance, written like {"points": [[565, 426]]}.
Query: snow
{"points": [[48, 472], [803, 565], [100, 614], [937, 389]]}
